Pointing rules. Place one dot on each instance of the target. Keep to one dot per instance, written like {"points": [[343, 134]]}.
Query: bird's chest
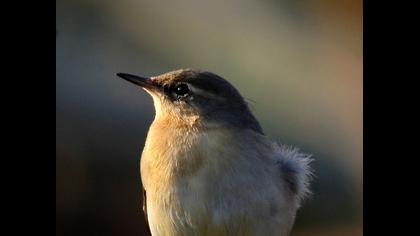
{"points": [[181, 175], [196, 204], [170, 154], [180, 209]]}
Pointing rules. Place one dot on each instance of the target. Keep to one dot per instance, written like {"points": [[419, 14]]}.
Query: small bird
{"points": [[208, 169]]}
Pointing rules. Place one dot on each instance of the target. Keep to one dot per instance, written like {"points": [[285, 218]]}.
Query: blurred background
{"points": [[299, 64]]}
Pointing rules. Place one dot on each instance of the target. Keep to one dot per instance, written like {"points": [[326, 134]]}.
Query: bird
{"points": [[208, 169]]}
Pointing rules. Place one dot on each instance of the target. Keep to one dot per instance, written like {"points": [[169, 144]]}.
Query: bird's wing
{"points": [[145, 210]]}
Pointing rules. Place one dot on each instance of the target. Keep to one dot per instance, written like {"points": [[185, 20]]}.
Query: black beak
{"points": [[144, 82]]}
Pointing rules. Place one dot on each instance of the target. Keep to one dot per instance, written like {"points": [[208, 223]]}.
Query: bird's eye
{"points": [[181, 90]]}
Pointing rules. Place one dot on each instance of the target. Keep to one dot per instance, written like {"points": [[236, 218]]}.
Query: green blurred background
{"points": [[298, 63]]}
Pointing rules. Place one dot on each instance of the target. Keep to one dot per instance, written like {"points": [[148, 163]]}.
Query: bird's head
{"points": [[204, 97]]}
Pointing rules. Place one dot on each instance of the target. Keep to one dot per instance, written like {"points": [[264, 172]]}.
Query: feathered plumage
{"points": [[207, 167]]}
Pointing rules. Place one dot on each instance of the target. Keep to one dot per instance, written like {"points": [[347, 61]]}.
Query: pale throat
{"points": [[173, 118]]}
